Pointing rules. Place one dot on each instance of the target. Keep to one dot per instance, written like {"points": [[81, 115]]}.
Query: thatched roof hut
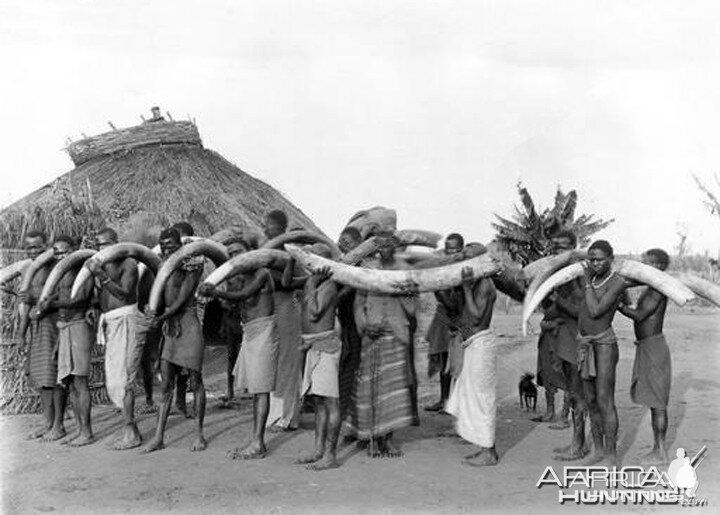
{"points": [[153, 174]]}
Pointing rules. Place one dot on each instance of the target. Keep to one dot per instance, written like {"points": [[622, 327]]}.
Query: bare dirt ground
{"points": [[39, 477]]}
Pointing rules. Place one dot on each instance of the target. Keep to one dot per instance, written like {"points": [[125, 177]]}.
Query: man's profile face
{"points": [[104, 240], [34, 247], [452, 246], [169, 246], [599, 261], [272, 228], [235, 249], [346, 243], [561, 244], [61, 249]]}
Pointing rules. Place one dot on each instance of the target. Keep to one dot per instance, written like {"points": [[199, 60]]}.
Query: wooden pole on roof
{"points": [[169, 116], [111, 125]]}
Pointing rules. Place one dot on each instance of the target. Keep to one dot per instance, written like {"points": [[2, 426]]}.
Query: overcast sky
{"points": [[436, 109]]}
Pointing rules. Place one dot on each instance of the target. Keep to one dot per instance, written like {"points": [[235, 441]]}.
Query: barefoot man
{"points": [[598, 350], [439, 332], [117, 281], [323, 345], [560, 324], [43, 340], [651, 371], [231, 329], [183, 345], [76, 338], [383, 391], [257, 363], [472, 400], [285, 399], [350, 358]]}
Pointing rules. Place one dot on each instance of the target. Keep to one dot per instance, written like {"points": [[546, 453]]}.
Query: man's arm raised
{"points": [[125, 289], [323, 297], [647, 306]]}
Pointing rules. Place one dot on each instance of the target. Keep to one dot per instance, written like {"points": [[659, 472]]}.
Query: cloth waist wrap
{"points": [[472, 400], [586, 351], [652, 372], [184, 343], [117, 332], [256, 366], [74, 347], [322, 363]]}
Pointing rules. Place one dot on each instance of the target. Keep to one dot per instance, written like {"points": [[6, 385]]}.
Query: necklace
{"points": [[596, 286]]}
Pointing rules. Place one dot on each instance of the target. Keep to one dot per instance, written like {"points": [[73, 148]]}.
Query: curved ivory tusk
{"points": [[14, 270], [156, 250], [66, 264], [396, 281], [35, 265], [116, 252], [701, 287], [629, 269], [27, 277], [247, 262], [418, 237], [302, 237], [539, 271], [548, 265], [656, 279], [562, 276], [208, 248]]}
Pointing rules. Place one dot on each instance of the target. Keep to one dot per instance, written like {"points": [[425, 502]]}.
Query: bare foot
{"points": [[655, 457], [131, 438], [547, 417], [148, 408], [373, 448], [311, 458], [437, 406], [199, 444], [573, 453], [326, 463], [82, 440], [562, 424], [390, 450], [252, 452], [38, 433], [155, 444], [594, 458], [70, 438], [280, 429], [486, 457], [54, 434]]}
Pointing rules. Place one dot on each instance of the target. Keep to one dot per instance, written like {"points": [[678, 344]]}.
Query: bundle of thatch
{"points": [[138, 181]]}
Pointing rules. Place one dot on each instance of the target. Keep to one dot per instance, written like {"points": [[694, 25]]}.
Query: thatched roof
{"points": [[156, 184]]}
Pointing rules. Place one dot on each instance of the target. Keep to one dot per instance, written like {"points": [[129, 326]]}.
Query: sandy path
{"points": [[40, 477]]}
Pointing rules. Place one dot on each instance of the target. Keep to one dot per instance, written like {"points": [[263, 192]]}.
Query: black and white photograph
{"points": [[347, 257]]}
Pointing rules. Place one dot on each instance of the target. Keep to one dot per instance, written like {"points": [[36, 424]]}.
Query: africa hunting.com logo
{"points": [[629, 485]]}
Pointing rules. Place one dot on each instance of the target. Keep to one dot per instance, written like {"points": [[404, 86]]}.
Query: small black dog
{"points": [[528, 391]]}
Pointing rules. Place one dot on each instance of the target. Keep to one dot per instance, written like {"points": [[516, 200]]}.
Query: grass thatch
{"points": [[167, 184]]}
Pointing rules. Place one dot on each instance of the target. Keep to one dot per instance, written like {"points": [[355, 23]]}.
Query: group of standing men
{"points": [[283, 344]]}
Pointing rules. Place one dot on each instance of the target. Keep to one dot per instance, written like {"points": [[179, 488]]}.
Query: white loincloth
{"points": [[116, 331], [472, 400]]}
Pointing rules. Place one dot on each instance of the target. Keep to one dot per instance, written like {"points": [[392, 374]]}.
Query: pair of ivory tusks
{"points": [[14, 270], [396, 281], [542, 269], [27, 277], [247, 262], [216, 252], [66, 264], [278, 242], [406, 237], [645, 274], [116, 252]]}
